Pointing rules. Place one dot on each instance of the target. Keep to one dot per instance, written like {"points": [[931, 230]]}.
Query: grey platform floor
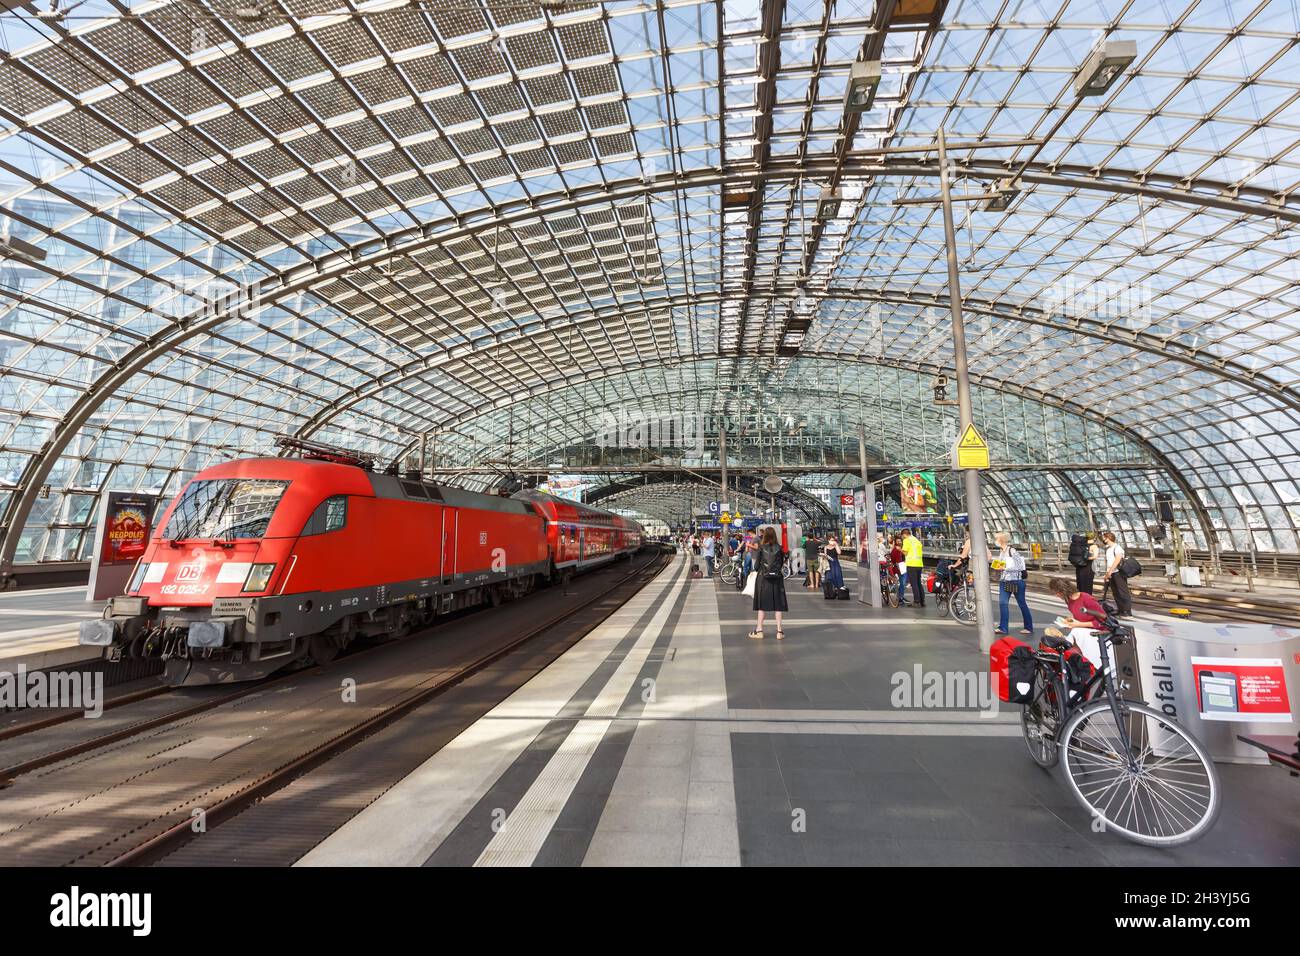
{"points": [[39, 628], [668, 737]]}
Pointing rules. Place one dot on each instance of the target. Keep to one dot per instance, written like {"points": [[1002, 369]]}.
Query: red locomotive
{"points": [[264, 562]]}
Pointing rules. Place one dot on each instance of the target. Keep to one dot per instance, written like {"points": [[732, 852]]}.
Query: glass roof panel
{"points": [[366, 221]]}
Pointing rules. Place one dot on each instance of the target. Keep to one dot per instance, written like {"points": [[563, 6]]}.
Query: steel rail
{"points": [[181, 833]]}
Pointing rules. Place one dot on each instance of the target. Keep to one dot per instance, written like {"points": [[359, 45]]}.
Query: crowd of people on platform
{"points": [[761, 553]]}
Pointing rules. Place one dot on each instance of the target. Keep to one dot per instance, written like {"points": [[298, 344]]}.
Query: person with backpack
{"points": [[1011, 585], [1116, 577], [769, 588], [1082, 553]]}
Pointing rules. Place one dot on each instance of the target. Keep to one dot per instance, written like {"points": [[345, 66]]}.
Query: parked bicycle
{"points": [[731, 570], [889, 584], [945, 582], [961, 601], [1129, 765]]}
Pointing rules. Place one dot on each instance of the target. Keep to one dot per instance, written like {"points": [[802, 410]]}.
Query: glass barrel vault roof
{"points": [[361, 221]]}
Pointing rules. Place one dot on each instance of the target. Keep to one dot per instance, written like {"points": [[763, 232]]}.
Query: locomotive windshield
{"points": [[225, 508]]}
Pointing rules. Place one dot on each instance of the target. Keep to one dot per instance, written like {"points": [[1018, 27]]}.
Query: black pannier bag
{"points": [[828, 589], [1078, 555], [841, 594], [1021, 666], [1078, 671]]}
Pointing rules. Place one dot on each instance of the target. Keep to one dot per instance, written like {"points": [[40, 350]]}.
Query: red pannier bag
{"points": [[929, 582], [1000, 666]]}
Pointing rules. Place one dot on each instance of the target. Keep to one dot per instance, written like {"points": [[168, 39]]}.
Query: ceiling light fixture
{"points": [[864, 78], [1105, 63], [828, 203]]}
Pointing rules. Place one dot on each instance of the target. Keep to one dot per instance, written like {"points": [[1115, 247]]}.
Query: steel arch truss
{"points": [[362, 221]]}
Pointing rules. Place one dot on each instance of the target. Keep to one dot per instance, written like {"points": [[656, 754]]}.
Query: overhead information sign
{"points": [[970, 450]]}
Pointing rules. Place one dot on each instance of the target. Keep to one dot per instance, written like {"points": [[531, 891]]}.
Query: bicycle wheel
{"points": [[1042, 717], [729, 574], [941, 598], [1163, 792], [962, 606], [891, 589]]}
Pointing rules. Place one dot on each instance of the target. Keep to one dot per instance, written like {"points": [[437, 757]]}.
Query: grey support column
{"points": [[868, 579], [979, 551]]}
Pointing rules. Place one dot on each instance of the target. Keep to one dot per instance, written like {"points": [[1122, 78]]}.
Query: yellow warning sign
{"points": [[970, 451]]}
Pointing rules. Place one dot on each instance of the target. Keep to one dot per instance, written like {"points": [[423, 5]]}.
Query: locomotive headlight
{"points": [[259, 576]]}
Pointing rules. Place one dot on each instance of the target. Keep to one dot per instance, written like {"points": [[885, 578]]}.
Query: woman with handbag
{"points": [[834, 571], [1012, 585], [769, 587]]}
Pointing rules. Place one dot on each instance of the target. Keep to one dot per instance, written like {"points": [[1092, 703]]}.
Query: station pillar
{"points": [[979, 550]]}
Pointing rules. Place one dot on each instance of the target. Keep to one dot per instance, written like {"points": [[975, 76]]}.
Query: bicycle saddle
{"points": [[1057, 643]]}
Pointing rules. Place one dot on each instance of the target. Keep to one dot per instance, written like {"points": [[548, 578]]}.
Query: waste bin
{"points": [[1221, 680]]}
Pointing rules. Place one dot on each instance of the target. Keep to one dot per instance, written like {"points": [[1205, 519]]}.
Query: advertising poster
{"points": [[571, 487], [121, 536], [918, 493], [126, 527], [1243, 689]]}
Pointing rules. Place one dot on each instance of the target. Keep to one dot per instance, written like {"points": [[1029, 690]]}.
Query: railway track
{"points": [[146, 789], [1238, 610]]}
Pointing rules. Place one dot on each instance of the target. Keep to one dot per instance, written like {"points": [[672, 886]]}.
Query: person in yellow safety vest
{"points": [[912, 551]]}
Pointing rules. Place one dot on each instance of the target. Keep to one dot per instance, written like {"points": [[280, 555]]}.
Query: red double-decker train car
{"points": [[264, 562], [579, 536]]}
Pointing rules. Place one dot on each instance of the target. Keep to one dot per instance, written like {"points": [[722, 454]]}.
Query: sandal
{"points": [[756, 635], [780, 635]]}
